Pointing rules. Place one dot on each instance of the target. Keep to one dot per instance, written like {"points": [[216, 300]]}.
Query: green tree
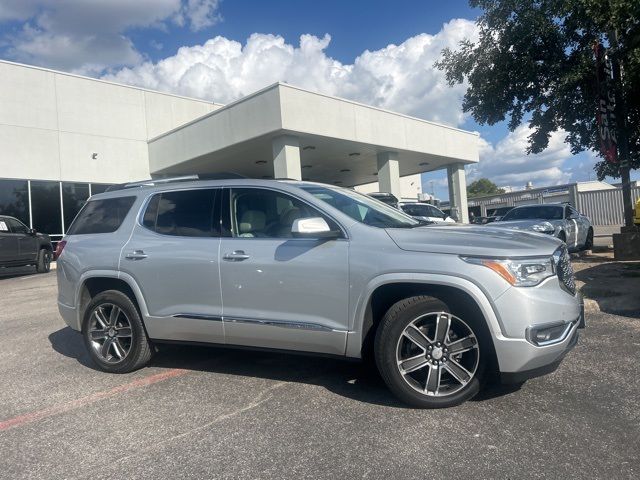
{"points": [[534, 61], [481, 187]]}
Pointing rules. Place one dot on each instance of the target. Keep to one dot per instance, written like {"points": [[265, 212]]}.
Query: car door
{"points": [[279, 291], [9, 249], [582, 227], [173, 256], [27, 242]]}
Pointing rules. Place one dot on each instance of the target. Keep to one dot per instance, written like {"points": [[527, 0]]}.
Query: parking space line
{"points": [[89, 399]]}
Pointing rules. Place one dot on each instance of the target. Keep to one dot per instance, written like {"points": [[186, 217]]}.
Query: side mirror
{"points": [[32, 231], [314, 227]]}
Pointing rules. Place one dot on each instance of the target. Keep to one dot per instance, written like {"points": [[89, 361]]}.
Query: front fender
{"points": [[355, 335]]}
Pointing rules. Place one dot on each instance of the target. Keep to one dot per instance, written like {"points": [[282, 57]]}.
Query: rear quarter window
{"points": [[101, 216]]}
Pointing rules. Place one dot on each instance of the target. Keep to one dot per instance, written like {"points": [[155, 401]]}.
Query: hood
{"points": [[522, 224], [473, 240]]}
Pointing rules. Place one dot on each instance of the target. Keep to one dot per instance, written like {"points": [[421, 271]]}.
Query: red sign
{"points": [[605, 115]]}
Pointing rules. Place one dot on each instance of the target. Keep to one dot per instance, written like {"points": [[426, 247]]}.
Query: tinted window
{"points": [[45, 207], [74, 195], [16, 226], [101, 216], [534, 212], [14, 199], [187, 213], [265, 213]]}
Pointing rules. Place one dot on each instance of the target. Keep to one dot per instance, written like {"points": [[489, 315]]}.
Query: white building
{"points": [[64, 137]]}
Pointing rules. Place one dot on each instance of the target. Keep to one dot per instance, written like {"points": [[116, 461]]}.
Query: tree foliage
{"points": [[481, 187], [534, 61]]}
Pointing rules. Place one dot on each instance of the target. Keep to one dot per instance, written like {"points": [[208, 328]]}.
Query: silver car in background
{"points": [[557, 219], [314, 268], [426, 212]]}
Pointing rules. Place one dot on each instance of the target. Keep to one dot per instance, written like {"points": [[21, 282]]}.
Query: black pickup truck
{"points": [[21, 245]]}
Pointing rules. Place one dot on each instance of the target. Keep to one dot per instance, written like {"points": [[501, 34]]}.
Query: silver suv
{"points": [[315, 268]]}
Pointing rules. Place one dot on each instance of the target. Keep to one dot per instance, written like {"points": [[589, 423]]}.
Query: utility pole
{"points": [[622, 131]]}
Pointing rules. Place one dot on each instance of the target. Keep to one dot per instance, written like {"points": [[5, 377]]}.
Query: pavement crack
{"points": [[261, 398]]}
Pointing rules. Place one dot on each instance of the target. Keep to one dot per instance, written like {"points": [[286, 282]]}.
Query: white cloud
{"points": [[89, 36], [199, 14], [399, 77], [507, 163]]}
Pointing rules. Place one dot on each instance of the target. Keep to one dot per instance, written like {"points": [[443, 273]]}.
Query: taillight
{"points": [[59, 249]]}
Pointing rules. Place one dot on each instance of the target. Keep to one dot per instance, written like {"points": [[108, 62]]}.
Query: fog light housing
{"points": [[548, 334]]}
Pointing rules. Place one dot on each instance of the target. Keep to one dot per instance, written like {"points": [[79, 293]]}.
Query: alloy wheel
{"points": [[110, 332], [437, 354]]}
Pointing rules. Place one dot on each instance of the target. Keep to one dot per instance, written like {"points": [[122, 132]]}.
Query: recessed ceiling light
{"points": [[345, 170], [261, 162], [309, 147], [423, 164], [306, 166], [354, 154]]}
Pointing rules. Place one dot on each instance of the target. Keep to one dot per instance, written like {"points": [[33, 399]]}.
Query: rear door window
{"points": [[101, 216], [184, 213]]}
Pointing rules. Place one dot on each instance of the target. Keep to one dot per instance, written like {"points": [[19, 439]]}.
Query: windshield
{"points": [[548, 212], [362, 208]]}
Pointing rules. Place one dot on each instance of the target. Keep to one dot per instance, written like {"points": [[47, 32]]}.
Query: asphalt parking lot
{"points": [[215, 413]]}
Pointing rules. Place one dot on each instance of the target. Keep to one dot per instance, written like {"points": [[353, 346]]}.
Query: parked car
{"points": [[426, 212], [485, 220], [388, 198], [22, 246], [557, 219], [315, 268]]}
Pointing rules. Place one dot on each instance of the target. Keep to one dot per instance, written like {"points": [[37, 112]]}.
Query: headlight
{"points": [[526, 272], [544, 227]]}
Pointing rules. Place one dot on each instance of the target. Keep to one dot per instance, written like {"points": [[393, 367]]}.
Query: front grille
{"points": [[565, 270]]}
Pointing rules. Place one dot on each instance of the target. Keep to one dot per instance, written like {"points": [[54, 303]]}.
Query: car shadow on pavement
{"points": [[358, 381], [614, 286], [13, 272]]}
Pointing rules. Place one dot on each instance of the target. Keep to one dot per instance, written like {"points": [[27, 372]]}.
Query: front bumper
{"points": [[518, 358]]}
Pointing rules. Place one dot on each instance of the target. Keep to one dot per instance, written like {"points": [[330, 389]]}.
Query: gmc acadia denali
{"points": [[309, 267]]}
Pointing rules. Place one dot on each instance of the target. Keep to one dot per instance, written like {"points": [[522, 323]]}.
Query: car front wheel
{"points": [[428, 357]]}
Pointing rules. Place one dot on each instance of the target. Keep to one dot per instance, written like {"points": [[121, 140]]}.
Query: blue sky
{"points": [[376, 52]]}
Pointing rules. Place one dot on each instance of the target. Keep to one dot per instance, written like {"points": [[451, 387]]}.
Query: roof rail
{"points": [[183, 178]]}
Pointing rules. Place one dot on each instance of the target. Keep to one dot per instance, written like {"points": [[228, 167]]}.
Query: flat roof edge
{"points": [[371, 107], [108, 82]]}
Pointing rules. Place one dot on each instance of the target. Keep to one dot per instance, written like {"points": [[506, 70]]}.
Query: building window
{"points": [[97, 188], [74, 195], [14, 199], [45, 207]]}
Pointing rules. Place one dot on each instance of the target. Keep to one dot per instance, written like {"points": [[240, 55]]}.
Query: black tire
{"points": [[588, 243], [387, 346], [139, 350], [43, 264]]}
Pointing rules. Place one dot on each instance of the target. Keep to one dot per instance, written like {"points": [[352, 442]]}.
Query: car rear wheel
{"points": [[43, 264], [114, 334], [428, 357]]}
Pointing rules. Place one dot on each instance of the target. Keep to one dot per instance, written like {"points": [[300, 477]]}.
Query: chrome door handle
{"points": [[235, 256], [136, 255]]}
